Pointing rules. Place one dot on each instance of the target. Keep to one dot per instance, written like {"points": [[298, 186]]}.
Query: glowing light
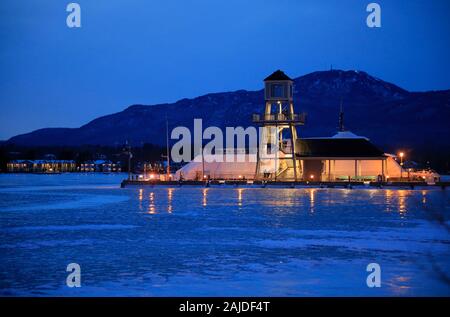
{"points": [[401, 154], [311, 176], [152, 176], [240, 176]]}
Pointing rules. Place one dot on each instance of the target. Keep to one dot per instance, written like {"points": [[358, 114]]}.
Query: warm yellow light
{"points": [[401, 154], [152, 176], [312, 176], [240, 176]]}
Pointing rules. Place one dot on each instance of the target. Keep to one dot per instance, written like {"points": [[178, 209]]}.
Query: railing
{"points": [[298, 118]]}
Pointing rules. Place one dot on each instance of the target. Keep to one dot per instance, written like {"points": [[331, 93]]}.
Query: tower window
{"points": [[278, 91]]}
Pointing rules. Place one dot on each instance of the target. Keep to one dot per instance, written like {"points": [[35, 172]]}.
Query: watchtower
{"points": [[276, 156]]}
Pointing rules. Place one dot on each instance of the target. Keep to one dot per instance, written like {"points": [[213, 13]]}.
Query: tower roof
{"points": [[278, 75]]}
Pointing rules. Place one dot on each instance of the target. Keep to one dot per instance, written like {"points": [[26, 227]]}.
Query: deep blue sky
{"points": [[148, 51]]}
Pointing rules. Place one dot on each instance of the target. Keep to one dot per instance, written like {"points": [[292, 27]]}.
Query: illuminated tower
{"points": [[276, 159]]}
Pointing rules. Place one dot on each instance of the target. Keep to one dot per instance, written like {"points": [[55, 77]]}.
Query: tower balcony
{"points": [[279, 119]]}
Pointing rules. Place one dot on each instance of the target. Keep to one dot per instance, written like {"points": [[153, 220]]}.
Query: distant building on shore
{"points": [[62, 166], [41, 166], [103, 166]]}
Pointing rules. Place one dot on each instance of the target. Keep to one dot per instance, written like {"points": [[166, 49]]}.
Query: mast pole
{"points": [[167, 149]]}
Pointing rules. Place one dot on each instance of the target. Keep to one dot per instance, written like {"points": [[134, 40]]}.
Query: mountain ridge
{"points": [[375, 108]]}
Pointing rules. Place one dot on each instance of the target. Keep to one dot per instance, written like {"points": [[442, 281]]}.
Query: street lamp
{"points": [[401, 154]]}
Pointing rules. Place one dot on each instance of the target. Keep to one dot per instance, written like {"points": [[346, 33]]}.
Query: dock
{"points": [[259, 183]]}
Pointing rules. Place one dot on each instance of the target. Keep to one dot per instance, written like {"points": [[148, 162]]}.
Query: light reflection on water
{"points": [[388, 204], [290, 198], [312, 192], [394, 200], [239, 191], [402, 194], [397, 200], [141, 197], [169, 200], [151, 204], [205, 197]]}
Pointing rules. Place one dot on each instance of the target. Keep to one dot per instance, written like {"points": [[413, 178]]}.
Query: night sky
{"points": [[148, 52]]}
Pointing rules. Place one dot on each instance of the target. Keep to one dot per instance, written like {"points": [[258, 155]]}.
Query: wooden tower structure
{"points": [[276, 159]]}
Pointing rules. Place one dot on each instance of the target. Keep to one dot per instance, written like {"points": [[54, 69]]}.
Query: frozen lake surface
{"points": [[198, 241]]}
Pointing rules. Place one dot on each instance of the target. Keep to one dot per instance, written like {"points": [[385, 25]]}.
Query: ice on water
{"points": [[164, 241]]}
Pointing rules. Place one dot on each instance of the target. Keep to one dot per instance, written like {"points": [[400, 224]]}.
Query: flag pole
{"points": [[167, 149]]}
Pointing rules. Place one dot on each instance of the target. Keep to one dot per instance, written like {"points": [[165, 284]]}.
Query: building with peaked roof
{"points": [[104, 166], [334, 159], [41, 166]]}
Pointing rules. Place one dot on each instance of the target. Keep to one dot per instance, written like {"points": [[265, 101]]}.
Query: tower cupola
{"points": [[278, 87]]}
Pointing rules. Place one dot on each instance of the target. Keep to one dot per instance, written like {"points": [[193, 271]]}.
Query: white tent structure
{"points": [[219, 166]]}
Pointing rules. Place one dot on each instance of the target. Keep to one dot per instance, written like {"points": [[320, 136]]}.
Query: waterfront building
{"points": [[103, 166], [41, 166], [342, 157]]}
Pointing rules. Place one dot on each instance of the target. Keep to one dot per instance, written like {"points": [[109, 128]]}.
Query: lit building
{"points": [[342, 157], [41, 166], [103, 166]]}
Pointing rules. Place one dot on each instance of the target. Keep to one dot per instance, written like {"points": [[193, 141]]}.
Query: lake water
{"points": [[218, 241]]}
